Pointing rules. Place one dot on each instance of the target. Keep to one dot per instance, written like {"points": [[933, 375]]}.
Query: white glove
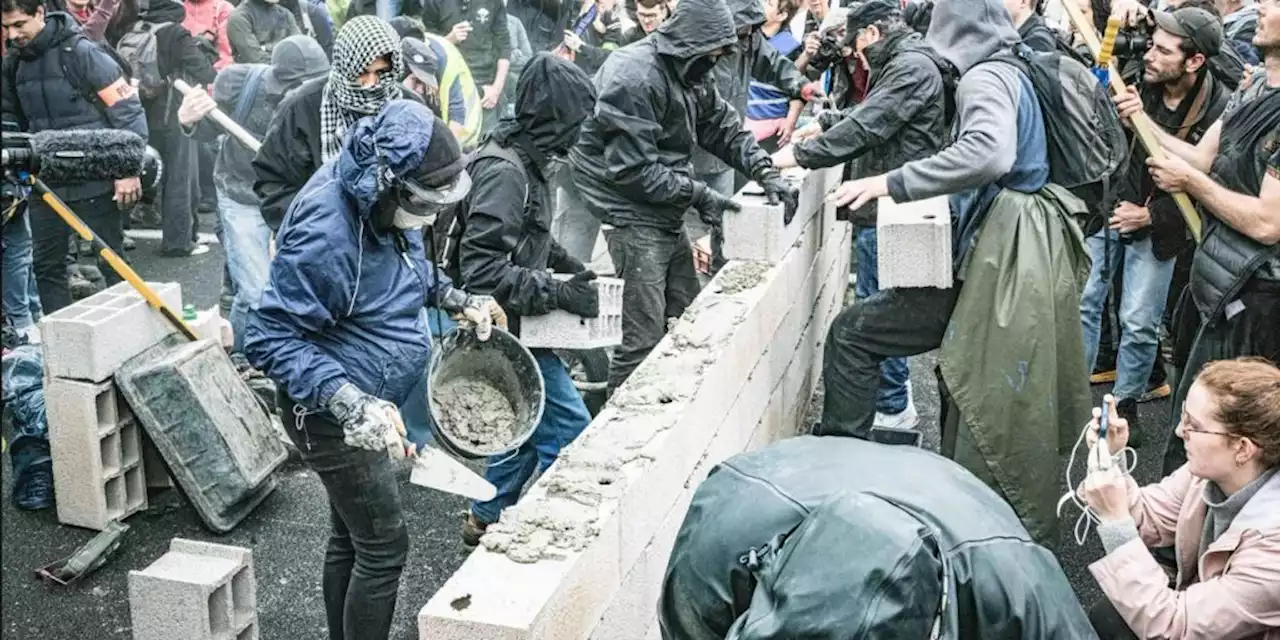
{"points": [[368, 422], [195, 105]]}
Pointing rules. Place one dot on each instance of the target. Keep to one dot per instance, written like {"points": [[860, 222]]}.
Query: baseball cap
{"points": [[866, 13], [420, 60], [1202, 28]]}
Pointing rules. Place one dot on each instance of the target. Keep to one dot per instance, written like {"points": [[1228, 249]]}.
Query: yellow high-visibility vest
{"points": [[457, 72]]}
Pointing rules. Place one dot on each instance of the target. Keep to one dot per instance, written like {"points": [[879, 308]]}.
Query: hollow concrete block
{"points": [[96, 446], [758, 233], [196, 591], [564, 330], [913, 240], [91, 338]]}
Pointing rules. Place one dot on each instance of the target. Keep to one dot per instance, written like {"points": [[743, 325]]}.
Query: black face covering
{"points": [[698, 68]]}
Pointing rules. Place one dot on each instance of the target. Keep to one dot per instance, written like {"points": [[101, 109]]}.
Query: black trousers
{"points": [[892, 323], [180, 189], [369, 543], [49, 237], [656, 266]]}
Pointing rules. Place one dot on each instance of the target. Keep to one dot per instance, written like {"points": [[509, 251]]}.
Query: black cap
{"points": [[420, 60], [868, 12], [1202, 28]]}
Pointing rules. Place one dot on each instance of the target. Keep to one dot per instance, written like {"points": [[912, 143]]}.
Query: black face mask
{"points": [[698, 69]]}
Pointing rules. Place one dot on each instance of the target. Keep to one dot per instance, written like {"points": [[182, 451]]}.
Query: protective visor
{"points": [[423, 200]]}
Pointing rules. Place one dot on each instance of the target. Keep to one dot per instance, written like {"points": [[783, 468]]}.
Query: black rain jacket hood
{"points": [[696, 29], [553, 97]]}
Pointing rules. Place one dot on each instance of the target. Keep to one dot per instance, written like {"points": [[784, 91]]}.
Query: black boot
{"points": [[1127, 409]]}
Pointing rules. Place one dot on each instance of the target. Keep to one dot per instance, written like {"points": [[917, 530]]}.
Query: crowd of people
{"points": [[406, 157]]}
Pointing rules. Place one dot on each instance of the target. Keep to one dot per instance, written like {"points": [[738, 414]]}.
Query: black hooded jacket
{"points": [[505, 236], [632, 162], [179, 55], [830, 537], [902, 118]]}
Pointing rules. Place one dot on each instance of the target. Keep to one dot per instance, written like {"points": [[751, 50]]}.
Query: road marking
{"points": [[156, 234]]}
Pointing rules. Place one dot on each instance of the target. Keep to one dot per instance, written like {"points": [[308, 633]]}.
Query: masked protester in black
{"points": [[657, 102], [504, 249]]}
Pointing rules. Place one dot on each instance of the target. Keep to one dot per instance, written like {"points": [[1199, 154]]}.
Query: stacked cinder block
{"points": [[564, 330], [94, 439], [196, 591], [913, 240], [735, 373], [758, 232]]}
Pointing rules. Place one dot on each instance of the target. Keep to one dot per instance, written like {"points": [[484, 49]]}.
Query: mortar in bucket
{"points": [[486, 398]]}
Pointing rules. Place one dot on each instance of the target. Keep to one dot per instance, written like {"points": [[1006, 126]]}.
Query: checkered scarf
{"points": [[361, 41]]}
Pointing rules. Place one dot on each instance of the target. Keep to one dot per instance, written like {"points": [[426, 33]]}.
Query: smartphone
{"points": [[909, 437]]}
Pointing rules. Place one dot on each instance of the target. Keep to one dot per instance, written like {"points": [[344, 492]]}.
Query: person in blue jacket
{"points": [[340, 329]]}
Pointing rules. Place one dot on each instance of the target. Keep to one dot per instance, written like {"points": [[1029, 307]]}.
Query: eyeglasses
{"points": [[1206, 431]]}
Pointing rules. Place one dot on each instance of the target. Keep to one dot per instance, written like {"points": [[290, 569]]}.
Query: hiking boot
{"points": [[1156, 392], [33, 489], [93, 274], [144, 216], [472, 530], [129, 244], [1127, 408], [1102, 376], [80, 286]]}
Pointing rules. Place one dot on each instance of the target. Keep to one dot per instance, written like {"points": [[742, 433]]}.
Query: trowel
{"points": [[438, 470]]}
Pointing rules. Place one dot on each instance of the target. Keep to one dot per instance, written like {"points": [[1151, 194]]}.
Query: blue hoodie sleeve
{"points": [[311, 284]]}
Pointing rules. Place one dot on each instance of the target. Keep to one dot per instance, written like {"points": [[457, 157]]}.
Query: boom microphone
{"points": [[82, 155]]}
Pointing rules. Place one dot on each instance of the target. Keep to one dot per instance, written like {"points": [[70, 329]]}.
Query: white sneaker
{"points": [[907, 419]]}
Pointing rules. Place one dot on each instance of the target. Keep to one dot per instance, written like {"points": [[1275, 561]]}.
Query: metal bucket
{"points": [[500, 362]]}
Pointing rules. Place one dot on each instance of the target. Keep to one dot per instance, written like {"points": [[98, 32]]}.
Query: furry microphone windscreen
{"points": [[88, 155]]}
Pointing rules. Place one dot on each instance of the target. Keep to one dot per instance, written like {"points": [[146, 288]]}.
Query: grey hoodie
{"points": [[987, 128], [294, 60]]}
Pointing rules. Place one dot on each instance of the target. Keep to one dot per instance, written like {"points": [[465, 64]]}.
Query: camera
{"points": [[1132, 43], [830, 51]]}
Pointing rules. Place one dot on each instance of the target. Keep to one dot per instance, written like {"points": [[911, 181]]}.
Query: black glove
{"points": [[778, 190], [578, 296], [711, 205], [569, 264]]}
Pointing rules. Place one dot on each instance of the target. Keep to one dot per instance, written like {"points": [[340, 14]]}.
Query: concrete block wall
{"points": [[96, 446], [564, 330], [913, 240], [196, 591], [90, 339], [758, 233], [735, 372]]}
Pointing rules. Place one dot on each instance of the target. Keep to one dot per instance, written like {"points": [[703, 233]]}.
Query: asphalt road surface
{"points": [[288, 532]]}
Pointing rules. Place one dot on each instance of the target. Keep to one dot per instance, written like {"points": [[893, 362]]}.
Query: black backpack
{"points": [[450, 224], [1087, 145]]}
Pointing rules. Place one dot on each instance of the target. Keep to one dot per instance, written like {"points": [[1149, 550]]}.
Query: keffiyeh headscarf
{"points": [[361, 41]]}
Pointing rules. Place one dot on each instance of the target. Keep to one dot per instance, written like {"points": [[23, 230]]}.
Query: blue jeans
{"points": [[564, 417], [23, 383], [892, 397], [1142, 302], [247, 241], [21, 298]]}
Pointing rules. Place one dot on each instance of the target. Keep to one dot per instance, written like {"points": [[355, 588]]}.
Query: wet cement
{"points": [[476, 415], [741, 276]]}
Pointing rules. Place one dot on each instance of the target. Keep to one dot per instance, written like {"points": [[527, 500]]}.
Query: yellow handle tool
{"points": [[1143, 127], [120, 266]]}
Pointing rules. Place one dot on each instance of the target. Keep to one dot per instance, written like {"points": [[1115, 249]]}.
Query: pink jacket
{"points": [[210, 17], [1237, 592]]}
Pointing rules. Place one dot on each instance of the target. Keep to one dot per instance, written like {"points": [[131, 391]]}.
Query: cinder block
{"points": [[758, 233], [96, 446], [564, 330], [196, 591], [913, 240], [90, 339]]}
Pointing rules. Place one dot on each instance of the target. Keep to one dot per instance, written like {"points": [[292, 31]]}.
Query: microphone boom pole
{"points": [[120, 266]]}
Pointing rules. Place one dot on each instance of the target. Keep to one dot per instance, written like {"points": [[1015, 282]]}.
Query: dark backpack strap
{"points": [[249, 94]]}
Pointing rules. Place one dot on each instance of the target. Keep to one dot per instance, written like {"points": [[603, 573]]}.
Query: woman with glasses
{"points": [[1220, 511]]}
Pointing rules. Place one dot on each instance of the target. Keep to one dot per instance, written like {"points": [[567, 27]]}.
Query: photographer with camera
{"points": [[58, 79], [1147, 233]]}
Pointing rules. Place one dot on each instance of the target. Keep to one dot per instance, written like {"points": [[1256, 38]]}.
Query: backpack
{"points": [[446, 233], [139, 49], [1087, 145], [950, 80]]}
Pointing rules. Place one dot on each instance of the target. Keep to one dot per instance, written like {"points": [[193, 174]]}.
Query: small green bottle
{"points": [[188, 312]]}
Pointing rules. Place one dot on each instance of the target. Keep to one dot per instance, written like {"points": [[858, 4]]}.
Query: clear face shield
{"points": [[419, 205]]}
